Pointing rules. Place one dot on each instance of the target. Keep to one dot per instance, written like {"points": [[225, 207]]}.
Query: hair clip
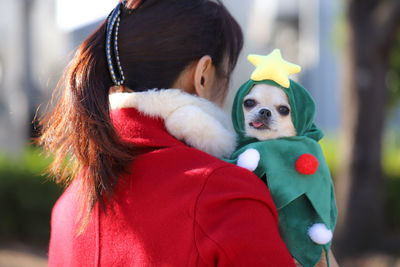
{"points": [[113, 22]]}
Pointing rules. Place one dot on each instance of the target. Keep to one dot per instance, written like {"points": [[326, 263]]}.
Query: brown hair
{"points": [[156, 42]]}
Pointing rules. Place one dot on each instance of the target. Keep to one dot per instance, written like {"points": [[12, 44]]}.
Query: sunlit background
{"points": [[69, 17], [38, 38]]}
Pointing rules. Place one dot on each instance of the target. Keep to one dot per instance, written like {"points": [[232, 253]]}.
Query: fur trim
{"points": [[191, 119]]}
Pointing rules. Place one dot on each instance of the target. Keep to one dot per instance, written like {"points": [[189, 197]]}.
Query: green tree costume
{"points": [[295, 171]]}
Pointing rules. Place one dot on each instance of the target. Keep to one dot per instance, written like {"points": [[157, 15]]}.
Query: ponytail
{"points": [[79, 128]]}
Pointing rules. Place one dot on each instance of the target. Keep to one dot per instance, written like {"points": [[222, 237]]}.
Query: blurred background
{"points": [[349, 51]]}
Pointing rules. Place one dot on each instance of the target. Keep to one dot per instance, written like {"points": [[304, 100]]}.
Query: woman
{"points": [[141, 192]]}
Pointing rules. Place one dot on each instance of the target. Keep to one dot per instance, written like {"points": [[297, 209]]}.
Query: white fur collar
{"points": [[191, 119]]}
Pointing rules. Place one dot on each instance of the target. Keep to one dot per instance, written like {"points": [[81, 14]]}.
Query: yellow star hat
{"points": [[273, 67]]}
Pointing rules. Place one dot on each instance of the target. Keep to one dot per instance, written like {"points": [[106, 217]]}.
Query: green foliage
{"points": [[392, 202], [391, 170], [26, 197], [393, 77], [391, 155], [329, 147]]}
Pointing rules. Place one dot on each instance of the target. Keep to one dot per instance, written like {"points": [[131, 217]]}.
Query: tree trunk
{"points": [[360, 184]]}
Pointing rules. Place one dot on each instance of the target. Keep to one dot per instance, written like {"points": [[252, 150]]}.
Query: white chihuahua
{"points": [[267, 113]]}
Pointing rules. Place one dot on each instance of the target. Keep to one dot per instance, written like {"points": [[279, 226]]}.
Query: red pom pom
{"points": [[307, 164]]}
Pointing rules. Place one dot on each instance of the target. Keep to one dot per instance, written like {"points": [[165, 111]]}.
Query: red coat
{"points": [[178, 207]]}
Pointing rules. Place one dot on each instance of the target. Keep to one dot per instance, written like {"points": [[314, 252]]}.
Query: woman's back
{"points": [[180, 207]]}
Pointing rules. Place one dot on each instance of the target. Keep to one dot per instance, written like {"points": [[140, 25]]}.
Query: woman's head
{"points": [[161, 38], [157, 41]]}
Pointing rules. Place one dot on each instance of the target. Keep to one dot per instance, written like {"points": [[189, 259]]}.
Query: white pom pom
{"points": [[249, 159], [320, 234]]}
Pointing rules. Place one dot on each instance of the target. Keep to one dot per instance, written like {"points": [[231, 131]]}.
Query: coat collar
{"points": [[150, 118]]}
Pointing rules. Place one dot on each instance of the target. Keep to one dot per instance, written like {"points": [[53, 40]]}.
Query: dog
{"points": [[267, 113], [273, 117]]}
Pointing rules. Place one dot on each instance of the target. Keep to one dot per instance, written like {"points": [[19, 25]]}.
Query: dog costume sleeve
{"points": [[294, 169]]}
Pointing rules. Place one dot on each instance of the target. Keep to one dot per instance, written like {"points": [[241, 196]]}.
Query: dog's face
{"points": [[267, 113]]}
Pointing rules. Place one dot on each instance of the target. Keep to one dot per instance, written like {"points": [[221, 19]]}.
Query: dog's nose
{"points": [[265, 112]]}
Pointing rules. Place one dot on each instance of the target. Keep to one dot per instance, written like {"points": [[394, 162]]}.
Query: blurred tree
{"points": [[372, 28], [394, 74]]}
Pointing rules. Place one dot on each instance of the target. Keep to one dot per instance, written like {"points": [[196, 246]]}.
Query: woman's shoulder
{"points": [[229, 181], [184, 164], [216, 177]]}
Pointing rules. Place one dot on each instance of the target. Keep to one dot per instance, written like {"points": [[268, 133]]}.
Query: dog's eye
{"points": [[283, 110], [249, 103]]}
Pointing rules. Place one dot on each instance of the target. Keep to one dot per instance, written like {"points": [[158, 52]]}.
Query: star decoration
{"points": [[273, 67]]}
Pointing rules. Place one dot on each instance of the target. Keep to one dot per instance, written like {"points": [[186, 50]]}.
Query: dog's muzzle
{"points": [[263, 119], [265, 113]]}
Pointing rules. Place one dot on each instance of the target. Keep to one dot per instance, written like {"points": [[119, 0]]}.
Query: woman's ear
{"points": [[204, 75]]}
